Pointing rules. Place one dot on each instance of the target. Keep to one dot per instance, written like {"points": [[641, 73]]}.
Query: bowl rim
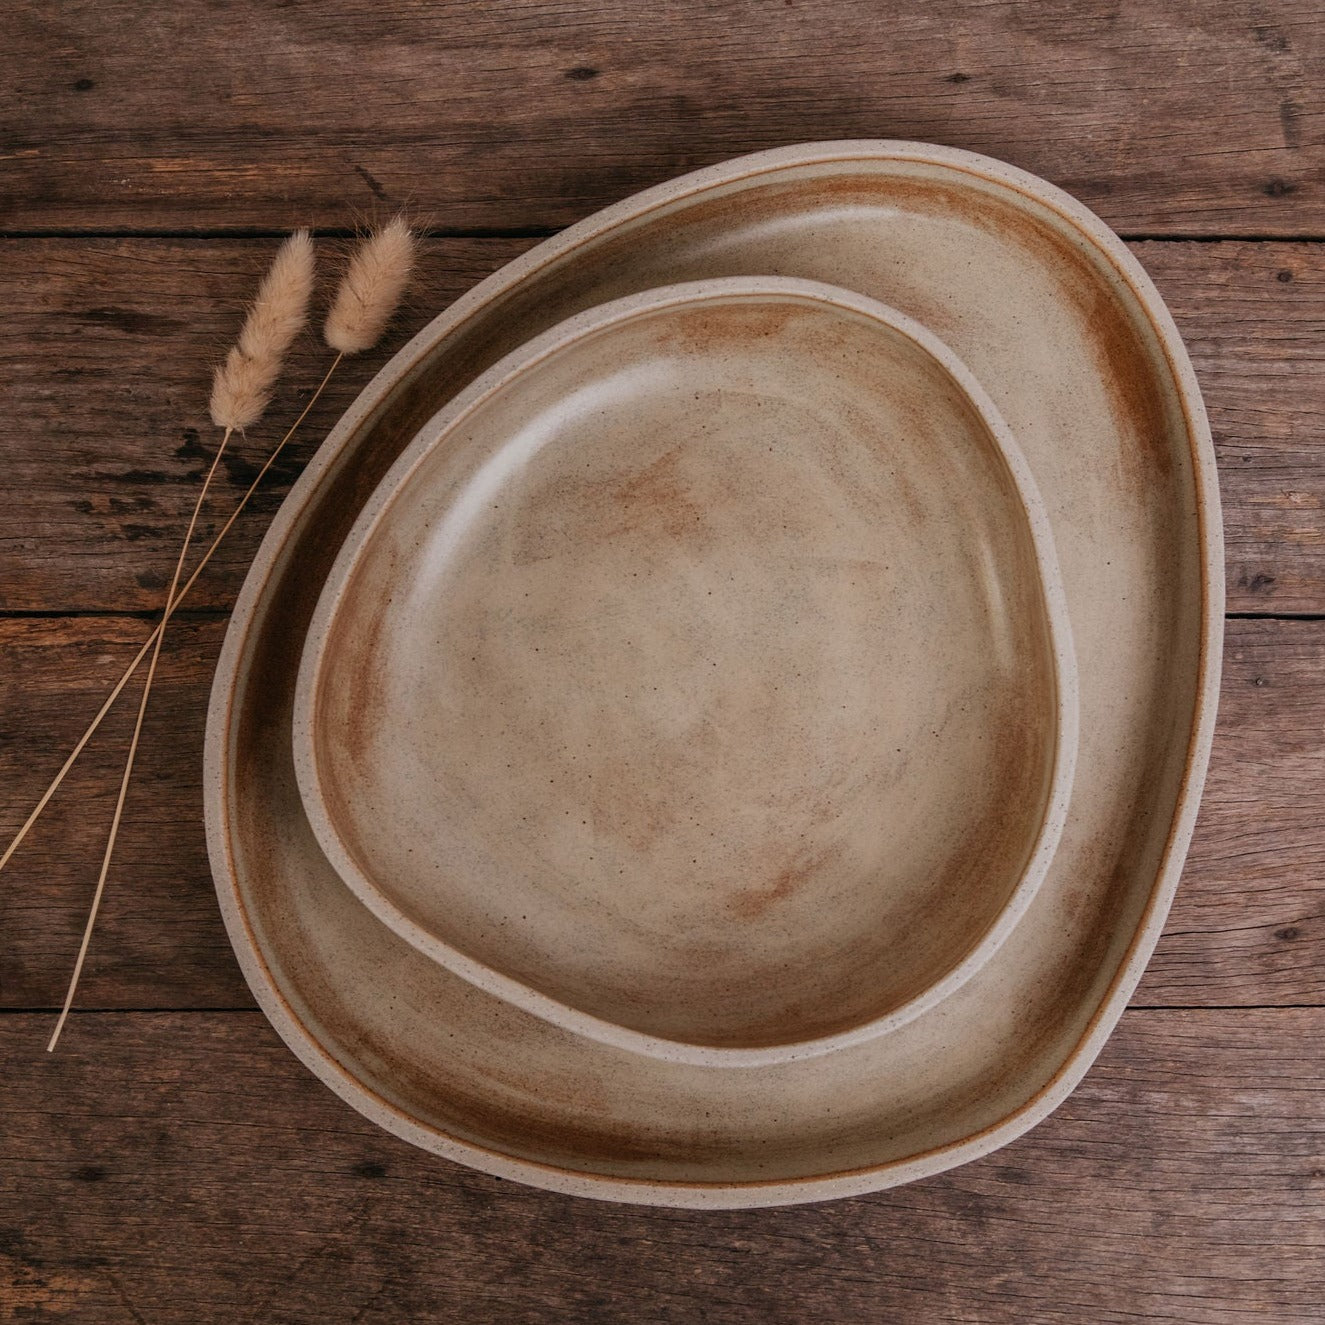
{"points": [[504, 376]]}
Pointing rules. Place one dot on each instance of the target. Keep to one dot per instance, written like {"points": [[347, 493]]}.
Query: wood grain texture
{"points": [[535, 112], [108, 345], [1253, 319], [1248, 924], [1248, 927], [159, 939], [192, 1171]]}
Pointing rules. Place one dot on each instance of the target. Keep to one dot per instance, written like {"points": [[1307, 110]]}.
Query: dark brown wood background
{"points": [[173, 1162]]}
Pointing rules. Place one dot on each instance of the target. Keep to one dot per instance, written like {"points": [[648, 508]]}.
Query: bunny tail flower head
{"points": [[243, 384], [371, 288]]}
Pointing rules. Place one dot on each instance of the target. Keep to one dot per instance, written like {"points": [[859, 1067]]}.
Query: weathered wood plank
{"points": [[1253, 318], [534, 112], [1248, 926], [107, 346], [186, 1168]]}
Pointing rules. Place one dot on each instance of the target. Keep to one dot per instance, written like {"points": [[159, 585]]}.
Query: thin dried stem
{"points": [[150, 640], [133, 750]]}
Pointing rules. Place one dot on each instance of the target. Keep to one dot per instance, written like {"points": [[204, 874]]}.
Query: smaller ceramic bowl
{"points": [[699, 679]]}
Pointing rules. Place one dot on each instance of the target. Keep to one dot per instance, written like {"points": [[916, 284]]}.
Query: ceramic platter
{"points": [[605, 803]]}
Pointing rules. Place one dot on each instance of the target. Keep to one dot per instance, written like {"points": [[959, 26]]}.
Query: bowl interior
{"points": [[698, 678]]}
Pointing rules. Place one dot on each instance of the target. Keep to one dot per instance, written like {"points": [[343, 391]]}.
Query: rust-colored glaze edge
{"points": [[220, 724]]}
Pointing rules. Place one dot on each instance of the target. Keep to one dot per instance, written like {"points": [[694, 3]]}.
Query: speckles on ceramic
{"points": [[975, 250], [700, 678]]}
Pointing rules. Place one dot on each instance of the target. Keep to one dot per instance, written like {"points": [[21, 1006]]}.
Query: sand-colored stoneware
{"points": [[699, 678], [1069, 338]]}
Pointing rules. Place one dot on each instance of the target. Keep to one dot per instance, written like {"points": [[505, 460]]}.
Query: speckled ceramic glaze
{"points": [[1069, 338], [699, 678]]}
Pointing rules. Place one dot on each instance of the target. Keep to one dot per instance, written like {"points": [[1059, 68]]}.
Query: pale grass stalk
{"points": [[366, 300], [151, 639], [133, 750], [241, 390]]}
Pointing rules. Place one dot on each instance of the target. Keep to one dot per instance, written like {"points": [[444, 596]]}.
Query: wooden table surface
{"points": [[172, 1161]]}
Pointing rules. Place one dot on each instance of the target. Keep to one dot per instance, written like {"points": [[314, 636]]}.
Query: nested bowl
{"points": [[699, 679]]}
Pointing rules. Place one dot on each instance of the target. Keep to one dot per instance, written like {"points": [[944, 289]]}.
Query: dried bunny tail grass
{"points": [[240, 392], [368, 298], [243, 384], [371, 288]]}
